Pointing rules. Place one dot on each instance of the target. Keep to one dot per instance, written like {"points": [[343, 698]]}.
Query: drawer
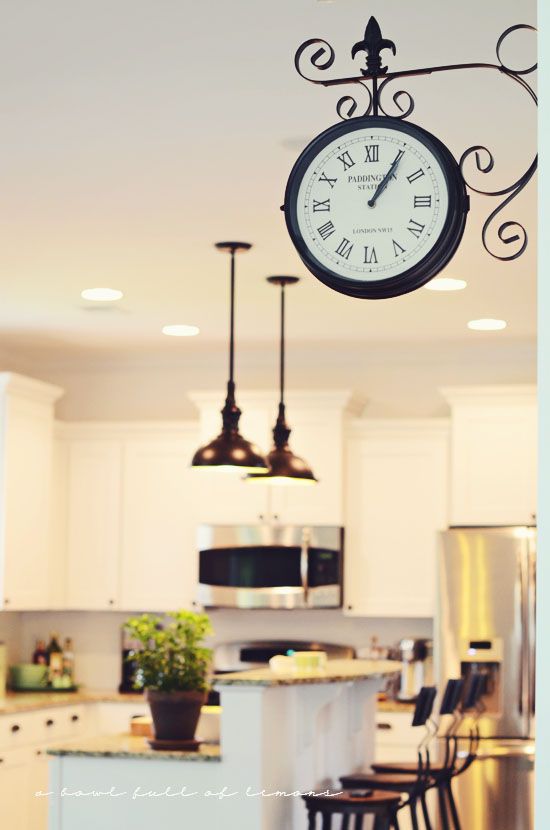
{"points": [[17, 730], [394, 729], [54, 725]]}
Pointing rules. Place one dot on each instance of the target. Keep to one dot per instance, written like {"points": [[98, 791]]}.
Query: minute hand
{"points": [[383, 184]]}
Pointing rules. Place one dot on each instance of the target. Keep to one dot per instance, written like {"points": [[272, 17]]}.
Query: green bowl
{"points": [[28, 676]]}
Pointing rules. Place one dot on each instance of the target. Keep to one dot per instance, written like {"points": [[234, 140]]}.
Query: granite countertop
{"points": [[15, 702], [336, 671], [131, 746]]}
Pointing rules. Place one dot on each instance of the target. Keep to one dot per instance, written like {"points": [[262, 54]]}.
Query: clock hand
{"points": [[384, 183]]}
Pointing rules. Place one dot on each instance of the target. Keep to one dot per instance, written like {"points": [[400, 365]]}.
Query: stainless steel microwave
{"points": [[270, 566]]}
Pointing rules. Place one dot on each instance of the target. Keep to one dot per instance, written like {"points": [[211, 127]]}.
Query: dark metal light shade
{"points": [[284, 466], [287, 468], [229, 450]]}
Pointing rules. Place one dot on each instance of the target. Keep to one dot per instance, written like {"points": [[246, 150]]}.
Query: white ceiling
{"points": [[137, 133]]}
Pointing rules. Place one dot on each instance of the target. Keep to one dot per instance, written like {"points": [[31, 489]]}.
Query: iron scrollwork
{"points": [[368, 97]]}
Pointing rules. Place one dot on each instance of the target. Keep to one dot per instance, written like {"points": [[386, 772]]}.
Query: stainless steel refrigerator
{"points": [[486, 623]]}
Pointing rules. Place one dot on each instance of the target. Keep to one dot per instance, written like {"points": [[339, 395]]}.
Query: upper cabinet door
{"points": [[93, 524], [159, 565], [26, 473], [494, 455], [396, 502]]}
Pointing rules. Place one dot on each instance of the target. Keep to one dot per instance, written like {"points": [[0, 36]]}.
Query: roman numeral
{"points": [[346, 160], [317, 206], [372, 152], [415, 227], [370, 256], [422, 201], [344, 248], [416, 175], [326, 230], [324, 178], [397, 249]]}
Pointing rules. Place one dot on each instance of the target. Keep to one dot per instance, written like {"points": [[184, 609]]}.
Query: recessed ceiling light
{"points": [[446, 284], [487, 324], [102, 295], [180, 330]]}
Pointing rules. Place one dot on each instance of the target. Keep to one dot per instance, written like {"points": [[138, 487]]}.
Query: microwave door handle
{"points": [[304, 561]]}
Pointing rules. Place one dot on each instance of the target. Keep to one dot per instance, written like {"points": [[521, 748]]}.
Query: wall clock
{"points": [[375, 207]]}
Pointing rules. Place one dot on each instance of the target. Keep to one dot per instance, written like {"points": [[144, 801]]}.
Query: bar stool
{"points": [[383, 806], [414, 784], [440, 773], [457, 703]]}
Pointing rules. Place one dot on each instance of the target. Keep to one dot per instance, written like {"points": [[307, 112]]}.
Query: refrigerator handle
{"points": [[524, 661], [532, 564]]}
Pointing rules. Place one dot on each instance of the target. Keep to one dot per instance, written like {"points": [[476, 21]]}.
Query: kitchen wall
{"points": [[97, 635]]}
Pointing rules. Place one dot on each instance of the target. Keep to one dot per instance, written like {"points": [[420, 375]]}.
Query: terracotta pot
{"points": [[175, 714]]}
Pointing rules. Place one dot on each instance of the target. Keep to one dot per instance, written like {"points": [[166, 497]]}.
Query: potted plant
{"points": [[173, 667]]}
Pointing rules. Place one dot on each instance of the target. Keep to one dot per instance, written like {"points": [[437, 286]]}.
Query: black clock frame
{"points": [[368, 94], [440, 253]]}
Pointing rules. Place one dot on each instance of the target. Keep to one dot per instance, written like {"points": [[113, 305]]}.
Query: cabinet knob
{"points": [[15, 728], [350, 607], [6, 601], [74, 718], [50, 722], [384, 726], [111, 602], [39, 752]]}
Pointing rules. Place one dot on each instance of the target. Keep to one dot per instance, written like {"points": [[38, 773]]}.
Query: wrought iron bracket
{"points": [[372, 85]]}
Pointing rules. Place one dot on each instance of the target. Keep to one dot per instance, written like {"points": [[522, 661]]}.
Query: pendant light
{"points": [[284, 466], [230, 451]]}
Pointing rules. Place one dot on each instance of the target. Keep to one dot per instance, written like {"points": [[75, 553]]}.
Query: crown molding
{"points": [[501, 395], [12, 383]]}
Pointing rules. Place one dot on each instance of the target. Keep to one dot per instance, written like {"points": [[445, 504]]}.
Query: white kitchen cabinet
{"points": [[493, 455], [131, 516], [15, 767], [93, 523], [396, 502], [159, 562], [318, 420], [26, 471]]}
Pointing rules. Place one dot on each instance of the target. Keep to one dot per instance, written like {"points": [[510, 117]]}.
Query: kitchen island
{"points": [[280, 735]]}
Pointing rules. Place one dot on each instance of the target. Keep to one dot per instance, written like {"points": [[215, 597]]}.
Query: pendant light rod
{"points": [[232, 248], [282, 432]]}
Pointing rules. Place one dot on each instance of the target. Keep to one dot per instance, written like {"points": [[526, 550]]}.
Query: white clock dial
{"points": [[372, 204]]}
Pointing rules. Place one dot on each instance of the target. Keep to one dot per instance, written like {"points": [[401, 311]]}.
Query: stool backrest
{"points": [[451, 697], [473, 692], [424, 705]]}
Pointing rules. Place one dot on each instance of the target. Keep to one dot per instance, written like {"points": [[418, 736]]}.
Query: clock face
{"points": [[372, 206]]}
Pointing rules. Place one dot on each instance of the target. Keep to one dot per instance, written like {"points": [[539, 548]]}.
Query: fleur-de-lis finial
{"points": [[372, 44]]}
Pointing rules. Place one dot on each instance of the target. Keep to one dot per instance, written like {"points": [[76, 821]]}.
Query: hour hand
{"points": [[384, 183]]}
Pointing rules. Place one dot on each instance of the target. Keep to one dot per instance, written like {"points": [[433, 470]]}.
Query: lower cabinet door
{"points": [[14, 790]]}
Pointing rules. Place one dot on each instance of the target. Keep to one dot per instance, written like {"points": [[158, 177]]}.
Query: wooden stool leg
{"points": [[358, 822], [395, 821], [452, 806], [382, 822], [311, 820], [425, 813], [345, 822], [327, 821]]}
